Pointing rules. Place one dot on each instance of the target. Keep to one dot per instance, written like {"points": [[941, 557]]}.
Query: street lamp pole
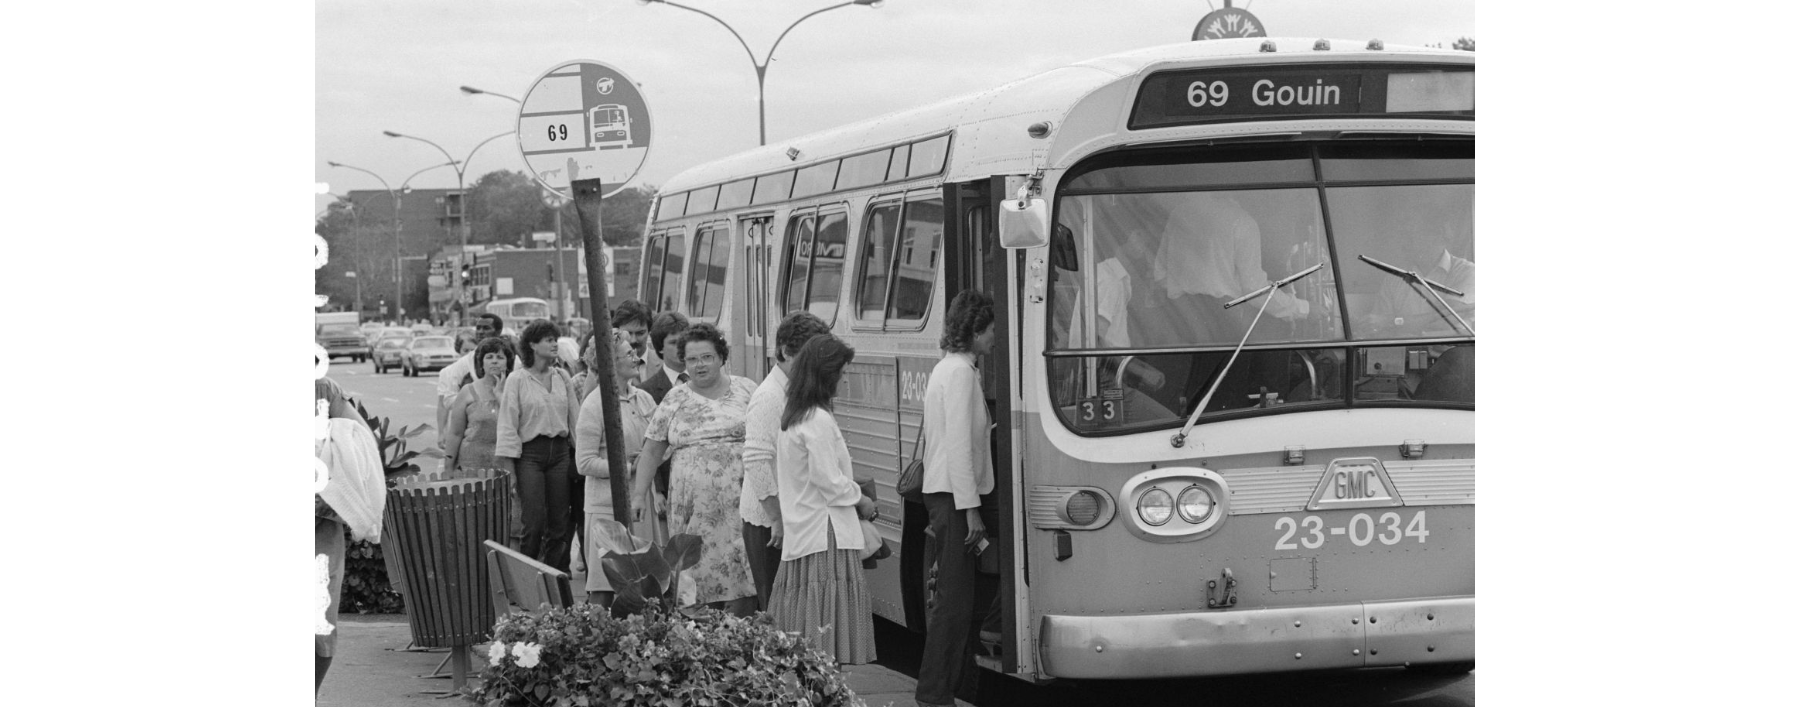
{"points": [[393, 197], [761, 68], [462, 214]]}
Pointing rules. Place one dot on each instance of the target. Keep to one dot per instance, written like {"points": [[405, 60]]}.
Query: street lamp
{"points": [[472, 91], [761, 69], [462, 213], [393, 197]]}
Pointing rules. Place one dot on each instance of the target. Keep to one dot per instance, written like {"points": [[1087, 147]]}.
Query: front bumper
{"points": [[1239, 641]]}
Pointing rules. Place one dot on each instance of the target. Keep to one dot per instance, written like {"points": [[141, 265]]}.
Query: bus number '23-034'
{"points": [[1362, 530]]}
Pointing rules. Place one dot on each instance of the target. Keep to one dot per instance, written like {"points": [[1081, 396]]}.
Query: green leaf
{"points": [[682, 551], [616, 539]]}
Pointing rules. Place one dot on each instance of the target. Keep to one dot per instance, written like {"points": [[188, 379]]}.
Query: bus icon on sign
{"points": [[611, 126]]}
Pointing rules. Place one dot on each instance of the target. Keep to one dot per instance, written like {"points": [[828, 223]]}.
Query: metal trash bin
{"points": [[434, 530]]}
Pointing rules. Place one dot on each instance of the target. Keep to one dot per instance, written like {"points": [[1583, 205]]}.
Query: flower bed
{"points": [[583, 657]]}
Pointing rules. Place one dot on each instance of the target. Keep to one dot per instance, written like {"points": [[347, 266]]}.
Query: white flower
{"points": [[496, 653], [527, 654]]}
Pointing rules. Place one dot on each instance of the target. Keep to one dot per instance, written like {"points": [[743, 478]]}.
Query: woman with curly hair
{"points": [[537, 415], [820, 591], [701, 424], [958, 483]]}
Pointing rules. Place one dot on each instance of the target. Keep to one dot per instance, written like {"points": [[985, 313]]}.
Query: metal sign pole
{"points": [[587, 194]]}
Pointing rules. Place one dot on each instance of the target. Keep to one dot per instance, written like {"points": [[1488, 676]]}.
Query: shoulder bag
{"points": [[911, 478]]}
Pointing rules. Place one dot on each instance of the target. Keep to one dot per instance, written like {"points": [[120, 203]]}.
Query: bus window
{"points": [[816, 179], [702, 200], [652, 268], [863, 170], [896, 170], [915, 266], [770, 188], [672, 267], [735, 194], [1426, 228], [798, 261], [877, 261], [672, 206], [705, 290], [827, 266], [927, 156]]}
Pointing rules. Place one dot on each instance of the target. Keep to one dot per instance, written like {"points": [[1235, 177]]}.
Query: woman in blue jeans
{"points": [[537, 414]]}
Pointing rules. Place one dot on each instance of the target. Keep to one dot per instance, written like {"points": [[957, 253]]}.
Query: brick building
{"points": [[505, 272]]}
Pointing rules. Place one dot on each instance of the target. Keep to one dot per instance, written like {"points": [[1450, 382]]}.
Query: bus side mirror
{"points": [[1023, 223]]}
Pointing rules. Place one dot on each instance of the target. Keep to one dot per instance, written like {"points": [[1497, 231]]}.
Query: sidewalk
{"points": [[372, 670]]}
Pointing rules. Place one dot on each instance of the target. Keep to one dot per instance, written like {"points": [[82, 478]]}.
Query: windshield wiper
{"points": [[1179, 439], [1430, 286]]}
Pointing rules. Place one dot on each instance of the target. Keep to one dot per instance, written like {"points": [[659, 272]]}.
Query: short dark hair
{"points": [[971, 312], [703, 332], [629, 311], [816, 371], [492, 344], [794, 331], [498, 324], [667, 323], [537, 331]]}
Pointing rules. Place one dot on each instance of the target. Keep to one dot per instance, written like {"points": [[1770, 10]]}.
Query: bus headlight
{"points": [[1195, 504], [1155, 507]]}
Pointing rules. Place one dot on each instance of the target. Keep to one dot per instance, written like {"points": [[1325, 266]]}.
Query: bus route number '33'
{"points": [[1362, 529]]}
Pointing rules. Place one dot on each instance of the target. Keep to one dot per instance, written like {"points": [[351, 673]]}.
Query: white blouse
{"points": [[817, 489]]}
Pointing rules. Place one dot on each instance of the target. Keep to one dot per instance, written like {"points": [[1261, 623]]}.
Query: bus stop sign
{"points": [[583, 120]]}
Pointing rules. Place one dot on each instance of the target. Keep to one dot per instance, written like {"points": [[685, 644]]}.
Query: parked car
{"points": [[389, 352], [341, 339], [427, 353]]}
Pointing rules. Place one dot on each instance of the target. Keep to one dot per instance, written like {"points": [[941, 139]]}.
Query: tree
{"points": [[504, 207], [1464, 44], [358, 246], [621, 221]]}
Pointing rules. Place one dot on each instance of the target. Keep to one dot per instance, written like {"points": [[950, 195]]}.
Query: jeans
{"points": [[764, 561], [950, 630], [546, 479]]}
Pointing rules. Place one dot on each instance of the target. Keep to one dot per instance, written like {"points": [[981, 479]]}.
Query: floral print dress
{"points": [[705, 441]]}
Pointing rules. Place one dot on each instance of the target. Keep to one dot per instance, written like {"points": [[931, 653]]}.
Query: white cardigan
{"points": [[817, 489]]}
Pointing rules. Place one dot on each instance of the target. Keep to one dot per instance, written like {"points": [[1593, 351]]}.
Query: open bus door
{"points": [[972, 259], [757, 330]]}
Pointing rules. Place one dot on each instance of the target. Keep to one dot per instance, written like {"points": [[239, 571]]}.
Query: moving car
{"points": [[341, 339], [389, 352], [427, 353], [375, 338]]}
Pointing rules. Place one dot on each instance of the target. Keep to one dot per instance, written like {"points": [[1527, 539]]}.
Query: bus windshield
{"points": [[1147, 251]]}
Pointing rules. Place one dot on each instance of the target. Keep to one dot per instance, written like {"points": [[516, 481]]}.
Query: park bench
{"points": [[522, 581]]}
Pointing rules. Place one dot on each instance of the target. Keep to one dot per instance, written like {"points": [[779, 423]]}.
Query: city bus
{"points": [[517, 312], [1233, 386]]}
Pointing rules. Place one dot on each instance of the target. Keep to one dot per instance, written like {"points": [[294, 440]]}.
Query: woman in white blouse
{"points": [[820, 592], [958, 483]]}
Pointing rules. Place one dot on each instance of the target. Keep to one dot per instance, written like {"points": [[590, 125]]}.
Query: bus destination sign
{"points": [[1186, 97]]}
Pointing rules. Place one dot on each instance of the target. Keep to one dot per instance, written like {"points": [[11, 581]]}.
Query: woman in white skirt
{"points": [[820, 592]]}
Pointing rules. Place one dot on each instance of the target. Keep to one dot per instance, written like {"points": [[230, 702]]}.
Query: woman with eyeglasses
{"points": [[701, 424], [590, 459]]}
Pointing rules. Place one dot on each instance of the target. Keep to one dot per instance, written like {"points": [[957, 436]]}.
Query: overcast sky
{"points": [[396, 64]]}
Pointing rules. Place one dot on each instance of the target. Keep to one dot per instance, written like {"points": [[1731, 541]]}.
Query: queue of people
{"points": [[760, 472]]}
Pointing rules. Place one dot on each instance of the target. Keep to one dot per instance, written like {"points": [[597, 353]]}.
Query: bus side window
{"points": [[875, 277], [652, 269], [798, 262], [915, 267], [827, 266], [672, 267]]}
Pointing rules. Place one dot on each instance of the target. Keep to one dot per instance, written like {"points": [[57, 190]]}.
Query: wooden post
{"points": [[586, 205]]}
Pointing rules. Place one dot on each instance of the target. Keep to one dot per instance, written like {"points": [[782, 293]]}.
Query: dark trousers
{"points": [[950, 624], [764, 561], [545, 488]]}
